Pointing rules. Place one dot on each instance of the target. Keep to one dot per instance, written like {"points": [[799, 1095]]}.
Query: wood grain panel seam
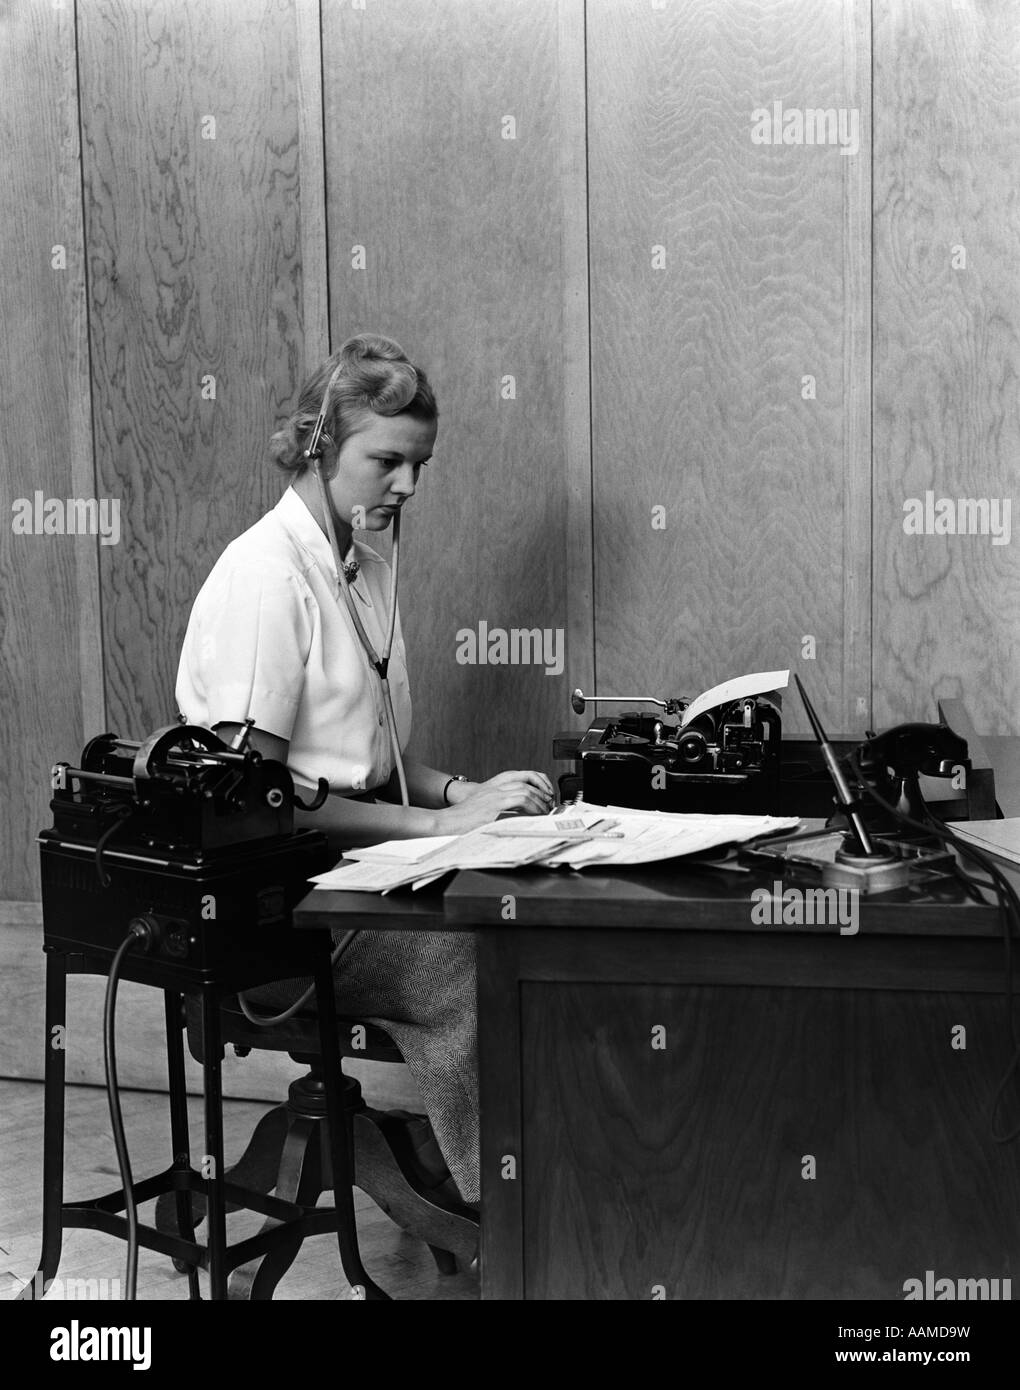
{"points": [[573, 78], [315, 288], [83, 440], [858, 321]]}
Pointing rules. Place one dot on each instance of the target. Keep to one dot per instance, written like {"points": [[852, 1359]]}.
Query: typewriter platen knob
{"points": [[693, 746]]}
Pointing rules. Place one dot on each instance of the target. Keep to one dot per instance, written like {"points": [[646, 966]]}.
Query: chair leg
{"points": [[257, 1281], [384, 1174], [299, 1181], [256, 1170], [259, 1165], [341, 1139]]}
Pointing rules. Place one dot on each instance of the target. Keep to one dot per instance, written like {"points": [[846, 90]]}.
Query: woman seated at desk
{"points": [[273, 638]]}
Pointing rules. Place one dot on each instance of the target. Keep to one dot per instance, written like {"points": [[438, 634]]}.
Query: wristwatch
{"points": [[458, 777]]}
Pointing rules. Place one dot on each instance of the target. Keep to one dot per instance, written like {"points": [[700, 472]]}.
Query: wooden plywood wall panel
{"points": [[193, 173], [50, 659], [454, 157], [723, 273], [947, 356]]}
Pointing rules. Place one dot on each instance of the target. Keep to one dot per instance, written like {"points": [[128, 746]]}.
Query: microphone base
{"points": [[851, 853]]}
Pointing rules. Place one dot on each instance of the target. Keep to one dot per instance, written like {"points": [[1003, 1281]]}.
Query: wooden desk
{"points": [[680, 1171], [683, 1169]]}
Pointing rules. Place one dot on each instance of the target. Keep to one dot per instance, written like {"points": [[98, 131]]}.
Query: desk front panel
{"points": [[689, 1123]]}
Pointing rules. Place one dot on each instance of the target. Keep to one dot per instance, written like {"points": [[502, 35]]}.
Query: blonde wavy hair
{"points": [[376, 376]]}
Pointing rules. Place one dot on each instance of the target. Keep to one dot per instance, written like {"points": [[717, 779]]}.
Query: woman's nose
{"points": [[403, 480]]}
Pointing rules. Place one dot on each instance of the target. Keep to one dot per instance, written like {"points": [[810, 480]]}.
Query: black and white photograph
{"points": [[510, 694]]}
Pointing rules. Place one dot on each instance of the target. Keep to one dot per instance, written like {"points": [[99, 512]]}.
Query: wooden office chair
{"points": [[395, 1158]]}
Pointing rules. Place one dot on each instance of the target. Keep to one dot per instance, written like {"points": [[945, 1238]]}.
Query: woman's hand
{"points": [[508, 793]]}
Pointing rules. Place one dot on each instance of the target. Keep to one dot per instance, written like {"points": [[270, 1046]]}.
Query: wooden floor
{"points": [[400, 1265]]}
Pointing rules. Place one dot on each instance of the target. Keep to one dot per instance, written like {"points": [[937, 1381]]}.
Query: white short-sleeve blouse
{"points": [[270, 639]]}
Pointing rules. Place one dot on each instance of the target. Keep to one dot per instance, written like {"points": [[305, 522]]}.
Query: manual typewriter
{"points": [[733, 759], [191, 834], [725, 759]]}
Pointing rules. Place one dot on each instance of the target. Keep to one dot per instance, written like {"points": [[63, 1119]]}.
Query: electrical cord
{"points": [[975, 887], [1009, 913], [139, 934], [270, 1020], [124, 814], [1009, 902]]}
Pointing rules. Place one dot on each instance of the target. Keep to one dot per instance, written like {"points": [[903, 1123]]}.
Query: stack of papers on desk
{"points": [[998, 837], [578, 836]]}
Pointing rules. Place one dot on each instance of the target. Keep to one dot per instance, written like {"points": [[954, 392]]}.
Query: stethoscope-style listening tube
{"points": [[313, 453], [380, 663]]}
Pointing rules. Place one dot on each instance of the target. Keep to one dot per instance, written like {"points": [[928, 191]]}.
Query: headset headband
{"points": [[314, 450]]}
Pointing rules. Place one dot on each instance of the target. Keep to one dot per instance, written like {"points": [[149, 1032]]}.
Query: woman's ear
{"points": [[328, 462]]}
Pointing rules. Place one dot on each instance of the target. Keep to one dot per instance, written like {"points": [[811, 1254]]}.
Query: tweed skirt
{"points": [[420, 987]]}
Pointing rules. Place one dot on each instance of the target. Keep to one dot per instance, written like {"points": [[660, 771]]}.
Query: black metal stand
{"points": [[103, 1213]]}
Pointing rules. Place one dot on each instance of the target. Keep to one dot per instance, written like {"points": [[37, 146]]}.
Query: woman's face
{"points": [[377, 469]]}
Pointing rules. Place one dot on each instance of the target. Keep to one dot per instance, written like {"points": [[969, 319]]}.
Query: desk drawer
{"points": [[710, 1142]]}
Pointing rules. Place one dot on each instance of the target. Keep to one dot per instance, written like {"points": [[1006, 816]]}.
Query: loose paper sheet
{"points": [[740, 688], [571, 838]]}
